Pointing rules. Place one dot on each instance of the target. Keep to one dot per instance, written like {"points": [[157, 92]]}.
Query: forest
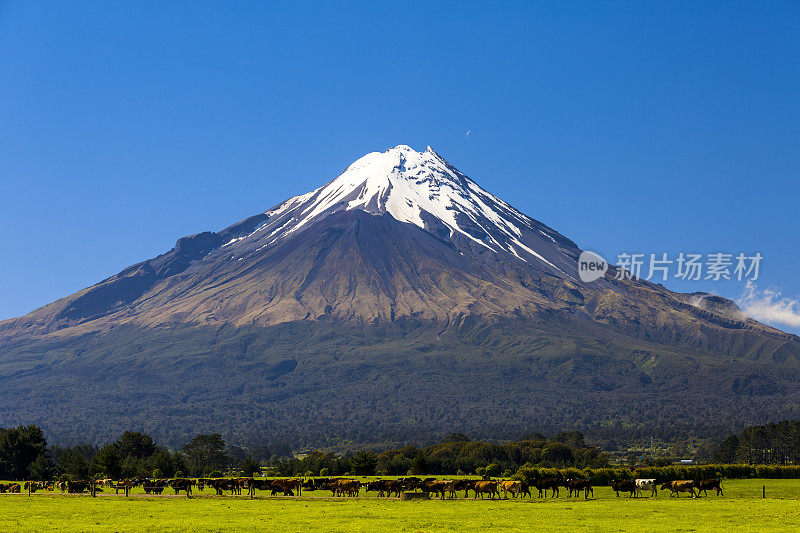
{"points": [[25, 454]]}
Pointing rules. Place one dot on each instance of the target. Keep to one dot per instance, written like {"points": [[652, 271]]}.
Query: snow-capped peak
{"points": [[423, 189]]}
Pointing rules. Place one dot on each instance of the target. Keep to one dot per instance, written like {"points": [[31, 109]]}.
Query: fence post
{"points": [[763, 491]]}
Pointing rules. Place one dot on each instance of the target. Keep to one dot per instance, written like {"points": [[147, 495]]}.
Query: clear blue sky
{"points": [[651, 127]]}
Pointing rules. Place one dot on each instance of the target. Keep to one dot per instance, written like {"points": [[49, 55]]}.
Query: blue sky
{"points": [[629, 127]]}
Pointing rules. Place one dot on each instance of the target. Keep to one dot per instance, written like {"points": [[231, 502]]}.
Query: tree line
{"points": [[24, 454], [456, 454], [770, 444]]}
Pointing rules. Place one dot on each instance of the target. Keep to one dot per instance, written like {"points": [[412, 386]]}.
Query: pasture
{"points": [[742, 508]]}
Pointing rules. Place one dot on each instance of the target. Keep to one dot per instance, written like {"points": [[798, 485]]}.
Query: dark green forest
{"points": [[771, 444]]}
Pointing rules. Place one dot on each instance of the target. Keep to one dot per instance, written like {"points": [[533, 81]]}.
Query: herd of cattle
{"points": [[384, 488]]}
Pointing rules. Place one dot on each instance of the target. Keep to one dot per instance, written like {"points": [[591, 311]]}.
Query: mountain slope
{"points": [[401, 278]]}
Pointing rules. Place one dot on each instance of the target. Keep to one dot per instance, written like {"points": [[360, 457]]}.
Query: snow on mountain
{"points": [[423, 189]]}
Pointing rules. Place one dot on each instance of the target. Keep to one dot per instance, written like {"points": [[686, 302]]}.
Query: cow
{"points": [[705, 484], [393, 487], [125, 485], [625, 485], [76, 486], [290, 485], [62, 486], [154, 486], [32, 486], [180, 484], [485, 487], [646, 484], [514, 487], [202, 482], [221, 484], [455, 485], [436, 487], [545, 484], [241, 483], [578, 485], [8, 487], [410, 483], [318, 484], [676, 487], [345, 487], [378, 486], [285, 486]]}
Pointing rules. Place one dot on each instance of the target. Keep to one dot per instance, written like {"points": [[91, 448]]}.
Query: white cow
{"points": [[646, 484]]}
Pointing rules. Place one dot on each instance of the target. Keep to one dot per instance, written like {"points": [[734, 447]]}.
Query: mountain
{"points": [[399, 301]]}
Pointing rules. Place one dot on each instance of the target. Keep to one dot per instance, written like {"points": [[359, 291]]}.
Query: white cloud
{"points": [[769, 305]]}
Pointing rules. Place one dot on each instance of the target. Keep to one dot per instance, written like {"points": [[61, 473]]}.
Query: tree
{"points": [[557, 454], [135, 444], [536, 437], [205, 453], [493, 470], [41, 469], [74, 464], [574, 439], [419, 465], [456, 437], [162, 460], [108, 461], [250, 467], [364, 463], [19, 447], [727, 451]]}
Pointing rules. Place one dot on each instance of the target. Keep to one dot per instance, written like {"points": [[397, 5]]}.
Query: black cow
{"points": [[706, 484], [625, 485]]}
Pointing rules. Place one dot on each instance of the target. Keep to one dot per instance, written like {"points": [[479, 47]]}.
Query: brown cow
{"points": [[345, 487], [514, 487], [459, 484], [485, 487], [290, 485], [125, 485], [394, 487], [676, 487], [436, 487]]}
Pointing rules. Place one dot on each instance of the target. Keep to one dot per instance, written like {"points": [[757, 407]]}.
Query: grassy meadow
{"points": [[742, 508]]}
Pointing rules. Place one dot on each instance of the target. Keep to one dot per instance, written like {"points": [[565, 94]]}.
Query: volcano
{"points": [[398, 302]]}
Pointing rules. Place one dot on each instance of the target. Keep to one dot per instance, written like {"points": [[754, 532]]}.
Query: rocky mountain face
{"points": [[395, 298]]}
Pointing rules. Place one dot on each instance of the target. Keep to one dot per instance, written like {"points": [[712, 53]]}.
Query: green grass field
{"points": [[742, 508]]}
